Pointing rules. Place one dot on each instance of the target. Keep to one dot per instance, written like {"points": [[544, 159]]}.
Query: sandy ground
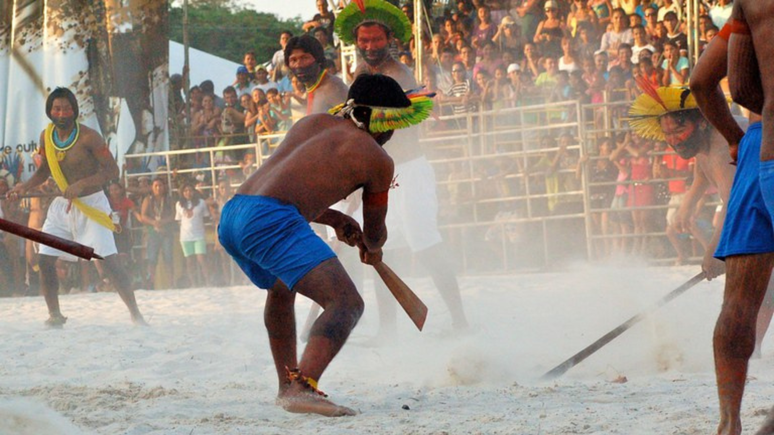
{"points": [[204, 366]]}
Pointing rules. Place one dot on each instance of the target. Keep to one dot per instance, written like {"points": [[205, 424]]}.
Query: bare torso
{"points": [[715, 165], [758, 14], [404, 145], [323, 159], [331, 92], [83, 159]]}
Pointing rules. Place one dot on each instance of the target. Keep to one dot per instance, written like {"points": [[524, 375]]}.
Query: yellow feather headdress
{"points": [[648, 108]]}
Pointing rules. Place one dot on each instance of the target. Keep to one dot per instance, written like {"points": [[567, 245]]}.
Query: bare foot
{"points": [[55, 321], [729, 428], [138, 320], [299, 400]]}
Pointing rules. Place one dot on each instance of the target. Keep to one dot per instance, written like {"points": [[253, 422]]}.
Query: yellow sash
{"points": [[92, 213]]}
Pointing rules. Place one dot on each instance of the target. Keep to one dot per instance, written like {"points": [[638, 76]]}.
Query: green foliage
{"points": [[227, 30]]}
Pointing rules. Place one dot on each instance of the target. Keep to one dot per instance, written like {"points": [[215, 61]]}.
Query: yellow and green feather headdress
{"points": [[360, 12], [648, 108], [392, 118]]}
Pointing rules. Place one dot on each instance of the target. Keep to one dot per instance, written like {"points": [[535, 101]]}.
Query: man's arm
{"points": [[744, 79], [375, 193], [705, 85]]}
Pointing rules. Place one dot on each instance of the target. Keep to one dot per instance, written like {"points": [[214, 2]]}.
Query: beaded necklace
{"points": [[63, 145], [310, 92]]}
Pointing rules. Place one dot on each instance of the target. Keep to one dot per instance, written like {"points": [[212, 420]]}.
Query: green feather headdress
{"points": [[392, 118], [361, 12]]}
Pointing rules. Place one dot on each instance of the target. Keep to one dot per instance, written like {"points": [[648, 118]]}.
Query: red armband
{"points": [[739, 27], [377, 199], [725, 32]]}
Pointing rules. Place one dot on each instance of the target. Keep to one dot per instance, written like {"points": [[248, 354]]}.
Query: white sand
{"points": [[204, 366]]}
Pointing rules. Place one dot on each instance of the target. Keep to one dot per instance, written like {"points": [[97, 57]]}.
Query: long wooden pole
{"points": [[610, 336], [74, 248]]}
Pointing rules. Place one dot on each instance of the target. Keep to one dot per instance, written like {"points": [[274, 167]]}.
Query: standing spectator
{"points": [[443, 71], [490, 61], [232, 120], [651, 24], [669, 6], [603, 9], [569, 60], [623, 61], [262, 79], [550, 31], [279, 109], [484, 31], [530, 65], [581, 13], [208, 87], [250, 62], [158, 215], [278, 59], [642, 193], [222, 195], [243, 85], [585, 43], [674, 35], [468, 59], [297, 99], [640, 43], [599, 174], [205, 123], [460, 94], [508, 37], [123, 207], [191, 211], [619, 34], [529, 12], [546, 81], [677, 170]]}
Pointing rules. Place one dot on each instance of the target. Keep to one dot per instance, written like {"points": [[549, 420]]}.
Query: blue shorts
{"points": [[748, 225], [269, 239]]}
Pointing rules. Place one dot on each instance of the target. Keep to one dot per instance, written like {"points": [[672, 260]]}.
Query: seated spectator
{"points": [[232, 120], [650, 72], [651, 24], [323, 18], [619, 34], [561, 90], [442, 71], [267, 122], [468, 59], [436, 47], [248, 107], [595, 81], [550, 31], [578, 87], [674, 65]]}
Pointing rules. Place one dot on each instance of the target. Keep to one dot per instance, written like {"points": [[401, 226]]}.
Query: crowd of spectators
{"points": [[478, 55]]}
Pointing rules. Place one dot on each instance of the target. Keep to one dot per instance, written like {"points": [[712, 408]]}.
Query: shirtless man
{"points": [[265, 229], [747, 242], [414, 209], [82, 214], [305, 57]]}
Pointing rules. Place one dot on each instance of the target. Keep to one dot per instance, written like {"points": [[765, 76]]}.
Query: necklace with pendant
{"points": [[62, 146]]}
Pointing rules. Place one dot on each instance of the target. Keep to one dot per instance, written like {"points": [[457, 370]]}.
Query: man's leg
{"points": [[445, 279], [330, 287], [122, 283], [747, 277], [49, 287], [764, 318]]}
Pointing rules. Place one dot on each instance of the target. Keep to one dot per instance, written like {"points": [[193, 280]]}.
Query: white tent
{"points": [[203, 66]]}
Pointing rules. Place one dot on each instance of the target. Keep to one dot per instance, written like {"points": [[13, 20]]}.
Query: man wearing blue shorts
{"points": [[265, 227], [746, 243]]}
